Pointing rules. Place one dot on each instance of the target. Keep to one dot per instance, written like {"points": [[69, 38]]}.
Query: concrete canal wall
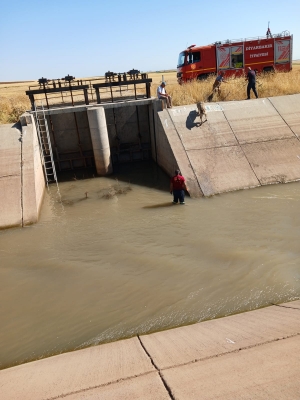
{"points": [[22, 183], [127, 128], [245, 356], [243, 144]]}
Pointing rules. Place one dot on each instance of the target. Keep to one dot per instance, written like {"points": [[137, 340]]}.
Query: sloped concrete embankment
{"points": [[22, 184], [245, 356], [243, 144]]}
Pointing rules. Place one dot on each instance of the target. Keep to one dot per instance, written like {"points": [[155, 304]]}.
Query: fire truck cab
{"points": [[267, 53]]}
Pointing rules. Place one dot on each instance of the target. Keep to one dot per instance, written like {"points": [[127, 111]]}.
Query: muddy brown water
{"points": [[125, 261]]}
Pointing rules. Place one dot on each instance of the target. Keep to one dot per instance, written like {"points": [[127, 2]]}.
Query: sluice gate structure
{"points": [[243, 144]]}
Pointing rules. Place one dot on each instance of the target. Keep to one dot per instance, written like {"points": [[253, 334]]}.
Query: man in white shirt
{"points": [[162, 94]]}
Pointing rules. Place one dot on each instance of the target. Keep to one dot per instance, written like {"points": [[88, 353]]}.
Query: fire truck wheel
{"points": [[268, 69], [202, 77]]}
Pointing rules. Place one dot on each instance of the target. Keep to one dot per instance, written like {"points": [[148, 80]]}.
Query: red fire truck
{"points": [[266, 53]]}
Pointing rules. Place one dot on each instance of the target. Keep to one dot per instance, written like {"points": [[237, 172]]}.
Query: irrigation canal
{"points": [[121, 260]]}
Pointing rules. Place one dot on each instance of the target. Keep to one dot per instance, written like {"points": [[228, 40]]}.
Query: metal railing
{"points": [[270, 36], [69, 91]]}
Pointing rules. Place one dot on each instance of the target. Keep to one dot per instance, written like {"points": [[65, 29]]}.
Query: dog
{"points": [[201, 111]]}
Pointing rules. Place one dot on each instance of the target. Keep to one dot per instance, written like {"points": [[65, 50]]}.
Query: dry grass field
{"points": [[268, 85], [13, 101]]}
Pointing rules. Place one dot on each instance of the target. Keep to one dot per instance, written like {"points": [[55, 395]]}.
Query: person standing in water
{"points": [[177, 187]]}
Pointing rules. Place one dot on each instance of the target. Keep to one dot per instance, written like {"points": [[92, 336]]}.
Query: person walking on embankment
{"points": [[218, 81], [177, 187], [251, 78]]}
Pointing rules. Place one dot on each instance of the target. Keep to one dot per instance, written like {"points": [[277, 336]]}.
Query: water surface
{"points": [[115, 259]]}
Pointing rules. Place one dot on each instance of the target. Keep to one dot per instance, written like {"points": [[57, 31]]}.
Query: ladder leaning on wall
{"points": [[45, 146]]}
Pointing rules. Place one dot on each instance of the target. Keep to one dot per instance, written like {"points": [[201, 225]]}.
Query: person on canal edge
{"points": [[177, 187], [251, 78], [163, 95]]}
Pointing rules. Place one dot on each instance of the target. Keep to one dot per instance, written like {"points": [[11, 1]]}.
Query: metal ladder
{"points": [[45, 146]]}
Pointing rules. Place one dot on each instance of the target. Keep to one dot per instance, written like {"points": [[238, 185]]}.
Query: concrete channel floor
{"points": [[253, 355]]}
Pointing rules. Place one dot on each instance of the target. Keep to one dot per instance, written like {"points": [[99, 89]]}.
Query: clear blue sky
{"points": [[87, 38]]}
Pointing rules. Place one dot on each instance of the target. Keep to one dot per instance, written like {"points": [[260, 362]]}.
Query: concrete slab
{"points": [[289, 109], [293, 304], [243, 144], [277, 161], [146, 387], [222, 169], [10, 177], [84, 108], [171, 153], [75, 372], [255, 121], [10, 150], [10, 201], [263, 372], [212, 338], [65, 138], [244, 356], [33, 181], [215, 132]]}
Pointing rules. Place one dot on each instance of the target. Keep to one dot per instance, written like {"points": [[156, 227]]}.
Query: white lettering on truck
{"points": [[265, 46], [258, 55]]}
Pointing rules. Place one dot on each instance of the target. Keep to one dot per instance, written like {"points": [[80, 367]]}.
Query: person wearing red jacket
{"points": [[177, 187]]}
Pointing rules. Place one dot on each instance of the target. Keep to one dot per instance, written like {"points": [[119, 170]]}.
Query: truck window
{"points": [[237, 56], [194, 57], [181, 59], [237, 61]]}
